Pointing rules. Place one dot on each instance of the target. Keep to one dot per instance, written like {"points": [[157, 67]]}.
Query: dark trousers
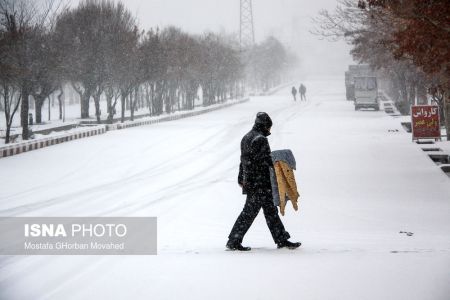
{"points": [[256, 201]]}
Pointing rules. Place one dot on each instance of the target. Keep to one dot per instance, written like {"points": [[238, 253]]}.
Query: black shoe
{"points": [[289, 245], [237, 246]]}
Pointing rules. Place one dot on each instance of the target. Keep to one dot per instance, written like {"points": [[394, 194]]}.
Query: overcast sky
{"points": [[288, 20]]}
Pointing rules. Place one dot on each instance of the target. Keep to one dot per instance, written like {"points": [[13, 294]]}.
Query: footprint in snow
{"points": [[407, 233]]}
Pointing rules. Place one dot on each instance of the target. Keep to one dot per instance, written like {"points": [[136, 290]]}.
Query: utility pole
{"points": [[247, 32]]}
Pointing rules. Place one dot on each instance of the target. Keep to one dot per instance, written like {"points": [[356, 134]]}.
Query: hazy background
{"points": [[287, 20]]}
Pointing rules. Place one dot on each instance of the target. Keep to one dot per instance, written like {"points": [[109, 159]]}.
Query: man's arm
{"points": [[241, 175], [262, 151]]}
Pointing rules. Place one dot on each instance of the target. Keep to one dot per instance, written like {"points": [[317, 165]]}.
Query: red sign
{"points": [[425, 122]]}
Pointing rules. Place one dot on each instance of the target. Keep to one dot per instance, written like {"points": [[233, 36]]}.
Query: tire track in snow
{"points": [[150, 171], [166, 196]]}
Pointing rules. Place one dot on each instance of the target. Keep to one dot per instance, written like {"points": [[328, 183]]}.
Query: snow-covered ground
{"points": [[142, 117], [360, 183]]}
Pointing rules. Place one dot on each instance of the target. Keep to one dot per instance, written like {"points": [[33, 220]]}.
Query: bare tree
{"points": [[88, 34], [153, 60], [11, 99], [21, 22], [266, 64], [48, 76], [220, 67]]}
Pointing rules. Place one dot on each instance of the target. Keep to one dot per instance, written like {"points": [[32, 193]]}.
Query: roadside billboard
{"points": [[425, 122]]}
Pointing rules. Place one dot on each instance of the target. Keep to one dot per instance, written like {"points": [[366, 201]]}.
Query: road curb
{"points": [[119, 126], [31, 145]]}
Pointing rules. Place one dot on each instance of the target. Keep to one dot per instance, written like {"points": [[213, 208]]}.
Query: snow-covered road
{"points": [[360, 185]]}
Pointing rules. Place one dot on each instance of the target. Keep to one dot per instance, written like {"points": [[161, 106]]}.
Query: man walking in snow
{"points": [[254, 178], [302, 91], [294, 93]]}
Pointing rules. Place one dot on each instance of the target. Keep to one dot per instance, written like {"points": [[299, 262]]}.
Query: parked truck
{"points": [[366, 92], [352, 72]]}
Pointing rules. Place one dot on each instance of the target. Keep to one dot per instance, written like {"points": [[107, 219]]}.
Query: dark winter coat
{"points": [[302, 89], [256, 161]]}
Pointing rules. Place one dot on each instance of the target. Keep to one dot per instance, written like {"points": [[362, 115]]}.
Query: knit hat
{"points": [[263, 118]]}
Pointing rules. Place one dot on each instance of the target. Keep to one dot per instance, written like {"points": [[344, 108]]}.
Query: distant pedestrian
{"points": [[254, 179], [294, 93], [302, 91]]}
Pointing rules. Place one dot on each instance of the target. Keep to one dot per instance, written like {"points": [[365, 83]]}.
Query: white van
{"points": [[366, 92]]}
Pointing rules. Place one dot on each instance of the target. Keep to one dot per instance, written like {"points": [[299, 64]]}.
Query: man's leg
{"points": [[276, 227], [245, 219]]}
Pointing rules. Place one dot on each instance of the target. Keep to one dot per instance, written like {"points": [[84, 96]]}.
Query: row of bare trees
{"points": [[25, 56], [408, 41], [98, 49], [106, 53]]}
